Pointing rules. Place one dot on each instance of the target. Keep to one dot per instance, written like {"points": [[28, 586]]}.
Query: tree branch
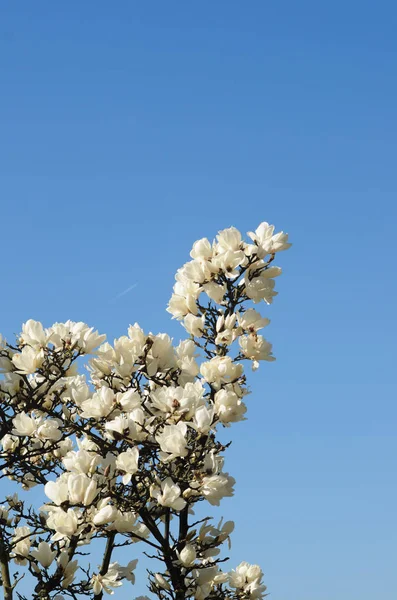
{"points": [[106, 560], [5, 569]]}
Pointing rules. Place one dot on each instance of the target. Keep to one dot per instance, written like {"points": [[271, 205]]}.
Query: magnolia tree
{"points": [[124, 451]]}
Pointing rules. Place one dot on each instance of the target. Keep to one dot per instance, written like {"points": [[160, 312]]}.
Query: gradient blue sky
{"points": [[130, 129]]}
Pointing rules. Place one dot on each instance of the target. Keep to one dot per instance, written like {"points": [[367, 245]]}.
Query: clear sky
{"points": [[130, 129]]}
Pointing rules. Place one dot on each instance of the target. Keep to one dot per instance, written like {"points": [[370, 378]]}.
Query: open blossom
{"points": [[229, 407], [81, 489], [194, 325], [178, 401], [215, 291], [127, 572], [264, 237], [251, 321], [229, 240], [10, 442], [82, 461], [187, 555], [76, 488], [33, 334], [260, 288], [64, 522], [72, 334], [107, 514], [203, 419], [129, 400], [108, 581], [127, 425], [24, 425], [256, 348], [128, 463], [221, 369], [90, 339], [172, 440], [202, 249], [169, 494], [248, 578], [44, 555], [69, 568], [128, 522], [161, 355], [57, 491], [49, 430], [22, 541], [206, 579], [99, 405], [28, 360], [216, 487]]}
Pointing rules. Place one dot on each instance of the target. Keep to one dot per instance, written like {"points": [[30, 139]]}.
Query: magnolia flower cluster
{"points": [[124, 449]]}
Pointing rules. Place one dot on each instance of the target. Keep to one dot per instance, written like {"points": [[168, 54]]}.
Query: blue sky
{"points": [[129, 130]]}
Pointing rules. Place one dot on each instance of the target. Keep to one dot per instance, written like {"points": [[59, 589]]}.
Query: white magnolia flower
{"points": [[57, 491], [205, 579], [71, 334], [216, 487], [168, 495], [129, 426], [178, 306], [21, 542], [251, 321], [128, 522], [221, 369], [81, 488], [213, 463], [33, 334], [186, 361], [178, 401], [215, 291], [49, 430], [64, 523], [229, 407], [90, 339], [202, 250], [129, 400], [248, 578], [161, 582], [265, 239], [24, 425], [10, 442], [161, 355], [203, 419], [82, 461], [69, 573], [229, 240], [194, 325], [107, 514], [128, 463], [28, 360], [108, 581], [44, 555], [228, 262], [197, 271], [99, 405], [172, 440], [187, 555], [255, 347], [127, 572], [260, 288]]}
